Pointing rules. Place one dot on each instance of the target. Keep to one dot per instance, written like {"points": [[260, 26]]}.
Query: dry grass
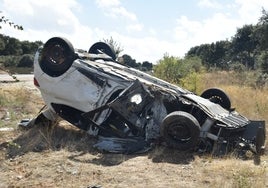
{"points": [[232, 172], [253, 103], [18, 101], [249, 101], [245, 97], [63, 156]]}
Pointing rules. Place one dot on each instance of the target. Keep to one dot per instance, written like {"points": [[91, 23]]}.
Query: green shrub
{"points": [[237, 67], [26, 61], [9, 61], [173, 69], [193, 82]]}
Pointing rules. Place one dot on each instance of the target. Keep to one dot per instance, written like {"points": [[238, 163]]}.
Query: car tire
{"points": [[57, 56], [180, 130], [217, 96], [101, 47]]}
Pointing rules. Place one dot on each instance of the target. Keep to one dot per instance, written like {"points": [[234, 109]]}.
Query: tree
{"points": [[127, 60], [26, 47], [243, 45], [264, 62], [5, 20], [166, 68], [26, 61], [12, 46], [264, 18], [212, 55], [204, 52], [146, 66], [173, 69], [30, 47], [116, 46], [9, 45], [2, 44], [261, 31]]}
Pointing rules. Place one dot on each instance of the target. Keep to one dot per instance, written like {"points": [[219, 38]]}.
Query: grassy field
{"points": [[63, 156], [17, 101], [245, 97]]}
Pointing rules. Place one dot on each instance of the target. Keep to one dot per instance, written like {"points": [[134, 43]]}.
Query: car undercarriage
{"points": [[129, 111]]}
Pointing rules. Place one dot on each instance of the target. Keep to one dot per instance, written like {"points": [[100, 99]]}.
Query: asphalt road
{"points": [[20, 77], [25, 79]]}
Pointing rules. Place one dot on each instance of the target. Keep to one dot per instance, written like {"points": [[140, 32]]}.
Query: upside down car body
{"points": [[128, 109]]}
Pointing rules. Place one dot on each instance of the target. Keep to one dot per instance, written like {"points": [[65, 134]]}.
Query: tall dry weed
{"points": [[247, 99], [18, 102]]}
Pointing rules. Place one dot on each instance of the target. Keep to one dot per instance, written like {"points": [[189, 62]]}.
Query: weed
{"points": [[16, 103]]}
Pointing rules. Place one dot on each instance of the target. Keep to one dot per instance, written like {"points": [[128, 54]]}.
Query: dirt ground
{"points": [[63, 156]]}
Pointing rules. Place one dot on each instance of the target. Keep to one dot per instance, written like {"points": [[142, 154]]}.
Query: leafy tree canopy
{"points": [[245, 47]]}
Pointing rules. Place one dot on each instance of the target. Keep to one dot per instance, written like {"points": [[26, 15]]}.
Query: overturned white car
{"points": [[129, 110]]}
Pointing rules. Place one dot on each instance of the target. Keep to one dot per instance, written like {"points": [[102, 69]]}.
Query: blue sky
{"points": [[145, 29]]}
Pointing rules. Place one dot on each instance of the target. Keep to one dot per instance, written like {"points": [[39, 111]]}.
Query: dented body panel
{"points": [[125, 106]]}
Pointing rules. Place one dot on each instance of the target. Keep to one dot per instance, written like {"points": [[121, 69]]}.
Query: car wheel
{"points": [[217, 96], [180, 130], [101, 47], [57, 56]]}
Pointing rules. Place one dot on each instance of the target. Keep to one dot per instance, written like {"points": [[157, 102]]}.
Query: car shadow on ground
{"points": [[162, 154], [44, 136], [56, 137]]}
